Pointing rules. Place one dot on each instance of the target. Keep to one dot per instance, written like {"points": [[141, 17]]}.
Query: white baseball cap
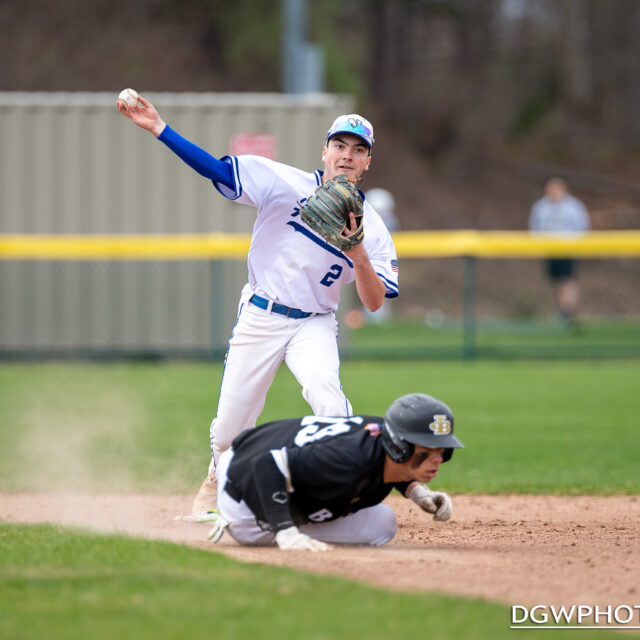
{"points": [[354, 124]]}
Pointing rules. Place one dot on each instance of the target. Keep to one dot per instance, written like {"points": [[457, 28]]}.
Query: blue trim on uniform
{"points": [[235, 189], [392, 287], [318, 174], [229, 343], [224, 368], [319, 241]]}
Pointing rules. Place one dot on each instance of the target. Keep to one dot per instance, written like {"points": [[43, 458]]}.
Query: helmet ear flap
{"points": [[397, 449]]}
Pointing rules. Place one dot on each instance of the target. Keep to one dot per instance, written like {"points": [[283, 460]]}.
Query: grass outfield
{"points": [[66, 585], [494, 338], [561, 427], [528, 426]]}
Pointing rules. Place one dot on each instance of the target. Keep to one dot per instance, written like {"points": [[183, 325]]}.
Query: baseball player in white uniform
{"points": [[287, 308]]}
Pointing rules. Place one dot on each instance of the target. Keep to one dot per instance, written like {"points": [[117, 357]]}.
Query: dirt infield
{"points": [[513, 549]]}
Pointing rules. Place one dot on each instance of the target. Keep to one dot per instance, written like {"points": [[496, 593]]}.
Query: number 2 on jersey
{"points": [[332, 275]]}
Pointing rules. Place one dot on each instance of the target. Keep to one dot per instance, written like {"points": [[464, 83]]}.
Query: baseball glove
{"points": [[327, 212]]}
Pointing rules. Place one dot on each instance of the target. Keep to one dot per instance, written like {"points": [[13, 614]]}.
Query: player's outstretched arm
{"points": [[145, 115]]}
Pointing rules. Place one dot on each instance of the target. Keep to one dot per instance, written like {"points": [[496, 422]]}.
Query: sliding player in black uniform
{"points": [[306, 482]]}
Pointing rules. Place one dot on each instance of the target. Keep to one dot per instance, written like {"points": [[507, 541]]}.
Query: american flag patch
{"points": [[373, 428], [394, 266]]}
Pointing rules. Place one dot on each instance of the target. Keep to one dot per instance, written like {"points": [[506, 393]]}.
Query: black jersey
{"points": [[309, 469]]}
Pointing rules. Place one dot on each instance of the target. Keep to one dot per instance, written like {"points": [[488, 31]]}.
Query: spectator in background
{"points": [[560, 212], [384, 203]]}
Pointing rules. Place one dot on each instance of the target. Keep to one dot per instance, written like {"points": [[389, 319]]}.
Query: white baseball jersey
{"points": [[289, 263]]}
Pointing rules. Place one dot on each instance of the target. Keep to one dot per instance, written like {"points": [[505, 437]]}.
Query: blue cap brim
{"points": [[351, 133]]}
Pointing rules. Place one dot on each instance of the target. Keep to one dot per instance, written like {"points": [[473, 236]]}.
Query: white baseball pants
{"points": [[260, 342], [372, 526]]}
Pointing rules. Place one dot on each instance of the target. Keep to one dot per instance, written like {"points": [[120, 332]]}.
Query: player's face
{"points": [[425, 463], [345, 155]]}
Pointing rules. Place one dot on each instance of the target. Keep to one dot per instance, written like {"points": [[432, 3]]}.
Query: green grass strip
{"points": [[64, 584], [563, 427]]}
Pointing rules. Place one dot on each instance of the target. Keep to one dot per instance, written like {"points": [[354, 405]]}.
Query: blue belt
{"points": [[263, 303]]}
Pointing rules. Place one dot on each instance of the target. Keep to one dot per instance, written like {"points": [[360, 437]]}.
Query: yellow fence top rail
{"points": [[516, 244], [409, 244], [124, 247]]}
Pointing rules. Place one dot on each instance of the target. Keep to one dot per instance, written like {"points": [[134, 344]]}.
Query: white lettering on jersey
{"points": [[319, 516], [315, 428]]}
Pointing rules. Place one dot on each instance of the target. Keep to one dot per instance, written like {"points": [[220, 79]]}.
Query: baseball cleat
{"points": [[202, 516], [207, 497], [213, 516]]}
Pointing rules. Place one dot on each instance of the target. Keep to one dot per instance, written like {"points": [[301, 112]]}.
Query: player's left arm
{"points": [[273, 483], [375, 264], [370, 287]]}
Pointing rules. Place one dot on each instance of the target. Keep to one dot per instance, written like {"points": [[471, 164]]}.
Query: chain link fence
{"points": [[113, 297], [491, 308], [141, 260]]}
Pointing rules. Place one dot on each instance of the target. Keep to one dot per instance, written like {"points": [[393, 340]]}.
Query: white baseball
{"points": [[128, 98]]}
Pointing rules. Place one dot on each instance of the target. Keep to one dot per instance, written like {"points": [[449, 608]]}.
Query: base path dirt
{"points": [[513, 549]]}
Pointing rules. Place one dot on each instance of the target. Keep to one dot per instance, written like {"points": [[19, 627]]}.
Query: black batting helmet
{"points": [[418, 419]]}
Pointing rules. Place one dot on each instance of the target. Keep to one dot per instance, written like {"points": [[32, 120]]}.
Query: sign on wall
{"points": [[256, 144]]}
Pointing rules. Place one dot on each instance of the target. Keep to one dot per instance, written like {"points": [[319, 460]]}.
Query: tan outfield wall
{"points": [[70, 163]]}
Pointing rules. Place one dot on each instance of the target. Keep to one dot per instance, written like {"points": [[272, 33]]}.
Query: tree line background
{"points": [[475, 102], [476, 92]]}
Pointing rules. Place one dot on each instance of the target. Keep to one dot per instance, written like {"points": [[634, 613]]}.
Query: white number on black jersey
{"points": [[315, 428]]}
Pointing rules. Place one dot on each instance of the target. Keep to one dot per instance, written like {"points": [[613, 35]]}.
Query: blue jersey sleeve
{"points": [[204, 163]]}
